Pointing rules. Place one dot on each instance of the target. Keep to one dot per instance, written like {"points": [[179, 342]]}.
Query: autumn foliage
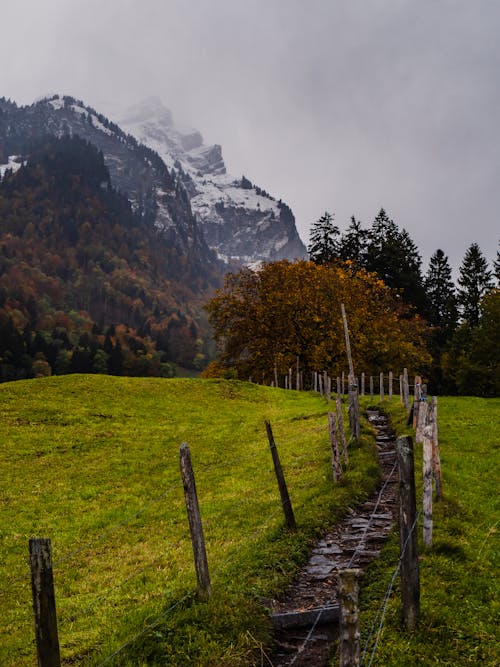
{"points": [[284, 310]]}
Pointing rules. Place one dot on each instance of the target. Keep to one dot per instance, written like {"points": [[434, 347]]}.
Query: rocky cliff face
{"points": [[240, 221], [172, 179]]}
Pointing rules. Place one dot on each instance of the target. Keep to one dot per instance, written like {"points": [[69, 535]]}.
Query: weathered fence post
{"points": [[427, 485], [343, 383], [421, 421], [340, 421], [362, 384], [354, 408], [406, 391], [391, 379], [349, 644], [44, 603], [401, 389], [334, 442], [381, 386], [297, 375], [410, 577], [195, 525], [289, 378], [438, 480], [417, 393], [285, 498], [339, 387], [371, 387]]}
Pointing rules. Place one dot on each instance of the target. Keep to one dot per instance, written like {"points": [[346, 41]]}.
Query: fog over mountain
{"points": [[344, 107]]}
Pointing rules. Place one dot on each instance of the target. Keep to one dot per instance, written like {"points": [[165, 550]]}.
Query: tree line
{"points": [[462, 318], [398, 316]]}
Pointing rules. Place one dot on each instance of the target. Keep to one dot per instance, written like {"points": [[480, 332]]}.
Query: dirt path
{"points": [[355, 542]]}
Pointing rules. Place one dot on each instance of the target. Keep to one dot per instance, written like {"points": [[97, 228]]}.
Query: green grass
{"points": [[92, 463], [459, 573]]}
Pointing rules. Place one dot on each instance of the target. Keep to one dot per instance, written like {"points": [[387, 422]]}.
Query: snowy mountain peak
{"points": [[240, 221]]}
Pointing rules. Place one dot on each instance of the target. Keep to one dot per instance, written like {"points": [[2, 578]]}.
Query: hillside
{"points": [[92, 463], [86, 283]]}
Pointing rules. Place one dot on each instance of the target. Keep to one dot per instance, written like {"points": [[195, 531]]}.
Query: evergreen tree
{"points": [[324, 240], [474, 280], [496, 265], [393, 255], [354, 243], [442, 311]]}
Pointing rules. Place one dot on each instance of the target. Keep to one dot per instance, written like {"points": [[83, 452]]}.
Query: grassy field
{"points": [[92, 463], [460, 590]]}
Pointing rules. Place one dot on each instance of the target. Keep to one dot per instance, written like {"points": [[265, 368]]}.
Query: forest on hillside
{"points": [[85, 285]]}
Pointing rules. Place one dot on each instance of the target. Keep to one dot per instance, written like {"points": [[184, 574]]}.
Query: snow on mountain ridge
{"points": [[240, 221]]}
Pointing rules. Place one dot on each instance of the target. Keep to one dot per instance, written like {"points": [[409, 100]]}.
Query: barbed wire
{"points": [[385, 600]]}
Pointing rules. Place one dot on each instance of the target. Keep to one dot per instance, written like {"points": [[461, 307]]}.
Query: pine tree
{"points": [[442, 307], [496, 265], [324, 240], [393, 255], [475, 280], [354, 243]]}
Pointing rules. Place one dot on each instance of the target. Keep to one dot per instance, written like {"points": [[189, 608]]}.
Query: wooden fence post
{"points": [[195, 525], [417, 391], [421, 421], [410, 577], [381, 386], [343, 383], [390, 385], [406, 391], [339, 387], [340, 421], [427, 485], [349, 635], [354, 408], [438, 480], [371, 387], [44, 603], [285, 498], [334, 443], [362, 384], [401, 389]]}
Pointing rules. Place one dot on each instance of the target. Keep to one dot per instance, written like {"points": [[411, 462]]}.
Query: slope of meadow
{"points": [[92, 463]]}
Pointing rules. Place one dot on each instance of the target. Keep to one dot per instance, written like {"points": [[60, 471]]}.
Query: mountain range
{"points": [[170, 177], [113, 236]]}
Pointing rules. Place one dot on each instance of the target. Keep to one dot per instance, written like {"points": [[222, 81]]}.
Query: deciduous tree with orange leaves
{"points": [[287, 309]]}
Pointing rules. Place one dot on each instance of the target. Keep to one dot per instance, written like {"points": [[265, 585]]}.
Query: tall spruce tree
{"points": [[442, 310], [393, 255], [475, 280], [354, 243], [496, 266], [324, 240]]}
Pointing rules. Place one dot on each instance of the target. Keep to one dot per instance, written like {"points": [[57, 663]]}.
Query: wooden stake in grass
{"points": [[417, 392], [195, 525], [334, 443], [390, 385], [427, 480], [406, 391], [285, 498], [381, 386], [362, 384], [44, 604], [432, 417], [401, 389], [349, 645], [371, 387], [340, 421], [410, 576]]}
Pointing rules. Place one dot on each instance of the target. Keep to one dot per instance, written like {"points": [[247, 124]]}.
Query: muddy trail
{"points": [[306, 618]]}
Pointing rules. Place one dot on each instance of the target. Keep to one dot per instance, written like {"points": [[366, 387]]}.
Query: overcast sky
{"points": [[343, 106]]}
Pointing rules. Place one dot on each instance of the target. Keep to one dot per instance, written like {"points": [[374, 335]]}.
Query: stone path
{"points": [[355, 542]]}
